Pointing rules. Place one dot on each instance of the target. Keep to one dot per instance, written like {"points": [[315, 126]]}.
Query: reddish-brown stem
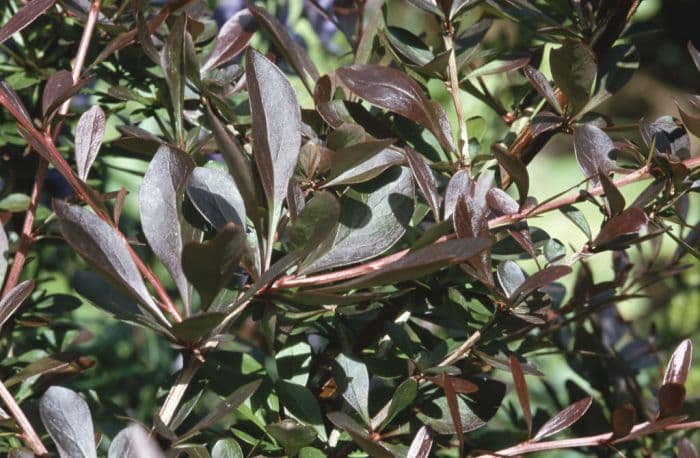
{"points": [[26, 238], [589, 441], [30, 436], [293, 281]]}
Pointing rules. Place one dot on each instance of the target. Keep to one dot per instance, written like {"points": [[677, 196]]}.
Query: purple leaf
{"points": [[58, 85], [593, 148], [679, 363], [231, 40], [521, 390], [88, 138], [459, 185], [13, 299], [425, 179], [542, 86], [24, 17], [393, 90], [628, 222], [421, 444], [542, 278], [515, 169], [502, 203], [563, 419]]}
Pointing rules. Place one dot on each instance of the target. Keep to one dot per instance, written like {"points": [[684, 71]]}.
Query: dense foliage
{"points": [[328, 251]]}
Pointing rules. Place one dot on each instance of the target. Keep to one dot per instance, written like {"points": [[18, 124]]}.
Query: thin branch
{"points": [[638, 430], [30, 436], [372, 266], [453, 88]]}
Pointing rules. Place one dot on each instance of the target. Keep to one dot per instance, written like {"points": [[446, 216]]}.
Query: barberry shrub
{"points": [[332, 253]]}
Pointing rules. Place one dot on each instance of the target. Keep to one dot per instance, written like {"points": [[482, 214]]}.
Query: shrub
{"points": [[335, 261]]}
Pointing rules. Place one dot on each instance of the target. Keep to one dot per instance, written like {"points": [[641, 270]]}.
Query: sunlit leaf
{"points": [[67, 418]]}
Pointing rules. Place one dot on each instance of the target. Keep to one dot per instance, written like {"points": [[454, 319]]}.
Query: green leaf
{"points": [[577, 217], [403, 397], [291, 435], [225, 407], [370, 222], [67, 418], [159, 206], [408, 45], [359, 435], [354, 384], [311, 228], [226, 448], [215, 195], [88, 138], [574, 70], [301, 404], [498, 66], [210, 265], [196, 327], [15, 203], [106, 251], [438, 417]]}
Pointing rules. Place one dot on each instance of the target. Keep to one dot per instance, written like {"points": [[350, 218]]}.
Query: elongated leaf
{"points": [[516, 170], [353, 155], [563, 419], [4, 246], [67, 418], [57, 365], [694, 54], [403, 397], [103, 295], [231, 40], [419, 263], [679, 363], [302, 405], [421, 444], [574, 70], [510, 276], [460, 185], [215, 195], [228, 405], [103, 248], [134, 442], [319, 214], [541, 278], [453, 405], [425, 179], [238, 165], [691, 119], [521, 390], [88, 138], [291, 435], [226, 448], [616, 201], [276, 126], [172, 58], [159, 203], [58, 85], [24, 17], [442, 423], [359, 435], [498, 66], [392, 90], [368, 169], [293, 52], [356, 384], [628, 222], [576, 216], [370, 222], [13, 299], [408, 45], [542, 86], [593, 150], [211, 265]]}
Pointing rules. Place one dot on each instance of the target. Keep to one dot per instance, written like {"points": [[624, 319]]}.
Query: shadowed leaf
{"points": [[134, 442], [359, 435], [516, 170], [356, 384], [159, 206], [541, 278], [425, 179], [623, 419], [574, 70], [671, 398], [215, 195], [57, 87], [614, 197], [542, 86], [576, 216], [521, 390], [103, 248]]}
